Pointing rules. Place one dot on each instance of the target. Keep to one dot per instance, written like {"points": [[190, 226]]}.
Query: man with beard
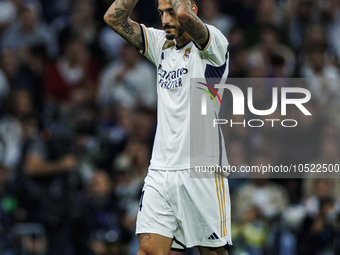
{"points": [[177, 211]]}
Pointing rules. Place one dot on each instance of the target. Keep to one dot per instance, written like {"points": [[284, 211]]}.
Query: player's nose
{"points": [[166, 18]]}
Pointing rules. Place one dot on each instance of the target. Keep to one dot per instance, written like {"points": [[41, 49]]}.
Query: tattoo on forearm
{"points": [[139, 41], [118, 13], [143, 238], [124, 3], [118, 19], [193, 25], [197, 28]]}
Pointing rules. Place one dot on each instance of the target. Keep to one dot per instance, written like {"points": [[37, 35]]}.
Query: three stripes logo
{"points": [[213, 236]]}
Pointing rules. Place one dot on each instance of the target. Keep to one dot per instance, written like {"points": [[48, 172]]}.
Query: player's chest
{"points": [[173, 57], [175, 66]]}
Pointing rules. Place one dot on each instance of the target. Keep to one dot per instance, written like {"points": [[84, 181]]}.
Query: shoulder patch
{"points": [[168, 44]]}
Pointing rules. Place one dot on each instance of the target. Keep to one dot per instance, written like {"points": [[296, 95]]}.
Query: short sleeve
{"points": [[153, 40], [216, 50]]}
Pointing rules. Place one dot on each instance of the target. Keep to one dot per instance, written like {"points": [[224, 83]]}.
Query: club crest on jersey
{"points": [[187, 54]]}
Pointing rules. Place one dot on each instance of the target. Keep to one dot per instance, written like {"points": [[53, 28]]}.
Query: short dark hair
{"points": [[195, 2]]}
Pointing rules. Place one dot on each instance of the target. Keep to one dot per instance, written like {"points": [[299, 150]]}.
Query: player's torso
{"points": [[176, 67]]}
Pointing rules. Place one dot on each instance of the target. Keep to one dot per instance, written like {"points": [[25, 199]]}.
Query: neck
{"points": [[183, 40]]}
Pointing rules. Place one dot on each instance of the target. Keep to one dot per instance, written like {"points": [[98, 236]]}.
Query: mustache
{"points": [[168, 26]]}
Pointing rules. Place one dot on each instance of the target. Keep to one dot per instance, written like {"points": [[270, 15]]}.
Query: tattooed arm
{"points": [[190, 22], [117, 17]]}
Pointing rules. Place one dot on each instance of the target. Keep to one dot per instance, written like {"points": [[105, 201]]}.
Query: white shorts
{"points": [[192, 211]]}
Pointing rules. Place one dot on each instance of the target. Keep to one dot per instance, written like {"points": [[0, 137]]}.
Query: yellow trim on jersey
{"points": [[225, 209], [145, 41], [219, 201], [206, 47], [223, 204], [220, 190]]}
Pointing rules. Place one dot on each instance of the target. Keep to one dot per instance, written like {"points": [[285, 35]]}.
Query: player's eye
{"points": [[172, 13], [160, 13]]}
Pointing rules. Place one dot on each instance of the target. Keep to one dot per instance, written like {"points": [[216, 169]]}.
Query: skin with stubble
{"points": [[171, 26]]}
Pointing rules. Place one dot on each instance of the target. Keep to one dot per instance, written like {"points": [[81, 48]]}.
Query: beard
{"points": [[170, 37], [178, 30]]}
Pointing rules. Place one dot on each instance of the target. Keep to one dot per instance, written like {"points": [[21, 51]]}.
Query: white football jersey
{"points": [[175, 68]]}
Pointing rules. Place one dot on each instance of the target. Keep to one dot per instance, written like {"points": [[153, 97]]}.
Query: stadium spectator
{"points": [[238, 158], [322, 74], [132, 165], [328, 154], [103, 214], [330, 19], [8, 13], [320, 189], [238, 53], [210, 13], [297, 146], [4, 88], [14, 129], [56, 12], [317, 233], [269, 13], [269, 45], [74, 69], [48, 187], [128, 82], [83, 25], [10, 65], [29, 31], [300, 16], [318, 66], [8, 210], [269, 198]]}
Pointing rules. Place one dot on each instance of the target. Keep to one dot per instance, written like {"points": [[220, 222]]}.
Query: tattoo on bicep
{"points": [[143, 238]]}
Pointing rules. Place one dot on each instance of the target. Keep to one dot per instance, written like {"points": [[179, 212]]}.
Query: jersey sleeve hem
{"points": [[145, 49], [206, 46]]}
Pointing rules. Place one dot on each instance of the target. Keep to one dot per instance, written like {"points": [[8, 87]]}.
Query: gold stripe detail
{"points": [[206, 47], [223, 205], [219, 201], [225, 209]]}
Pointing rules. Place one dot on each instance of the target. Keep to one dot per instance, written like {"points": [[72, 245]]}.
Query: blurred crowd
{"points": [[78, 117]]}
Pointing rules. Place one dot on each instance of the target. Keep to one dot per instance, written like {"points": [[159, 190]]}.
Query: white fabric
{"points": [[175, 68], [190, 210]]}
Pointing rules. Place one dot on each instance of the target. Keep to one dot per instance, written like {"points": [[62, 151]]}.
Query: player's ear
{"points": [[194, 8]]}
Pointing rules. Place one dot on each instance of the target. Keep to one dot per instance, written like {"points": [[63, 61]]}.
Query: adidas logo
{"points": [[213, 236]]}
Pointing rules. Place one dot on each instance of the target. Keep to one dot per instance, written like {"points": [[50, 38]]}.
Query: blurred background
{"points": [[78, 117]]}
